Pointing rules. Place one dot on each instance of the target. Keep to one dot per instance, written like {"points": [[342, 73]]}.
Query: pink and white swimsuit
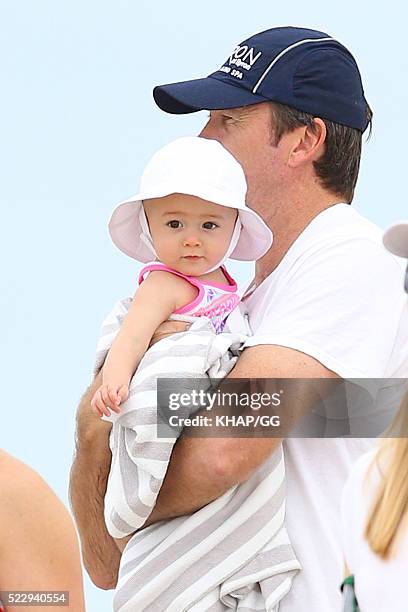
{"points": [[214, 300]]}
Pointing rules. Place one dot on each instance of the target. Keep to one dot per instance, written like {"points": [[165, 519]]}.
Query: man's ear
{"points": [[309, 143]]}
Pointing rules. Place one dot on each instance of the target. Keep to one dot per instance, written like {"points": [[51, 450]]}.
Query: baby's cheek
{"points": [[221, 246], [164, 249]]}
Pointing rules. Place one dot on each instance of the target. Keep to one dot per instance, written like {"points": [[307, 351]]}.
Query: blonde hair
{"points": [[391, 502]]}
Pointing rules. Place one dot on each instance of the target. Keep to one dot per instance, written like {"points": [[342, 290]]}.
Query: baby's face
{"points": [[189, 234]]}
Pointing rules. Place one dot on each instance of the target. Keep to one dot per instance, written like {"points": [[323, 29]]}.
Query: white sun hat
{"points": [[193, 166], [395, 239]]}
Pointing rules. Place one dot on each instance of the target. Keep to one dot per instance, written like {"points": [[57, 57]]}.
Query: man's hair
{"points": [[338, 167]]}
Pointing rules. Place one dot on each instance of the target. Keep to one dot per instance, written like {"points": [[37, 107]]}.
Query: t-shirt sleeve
{"points": [[339, 303]]}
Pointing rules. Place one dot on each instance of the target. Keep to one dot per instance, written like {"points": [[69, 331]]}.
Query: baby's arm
{"points": [[154, 301]]}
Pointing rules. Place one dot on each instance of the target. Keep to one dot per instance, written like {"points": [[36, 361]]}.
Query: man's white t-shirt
{"points": [[337, 295], [381, 585]]}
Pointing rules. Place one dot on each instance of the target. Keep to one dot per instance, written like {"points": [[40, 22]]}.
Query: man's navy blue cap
{"points": [[305, 69]]}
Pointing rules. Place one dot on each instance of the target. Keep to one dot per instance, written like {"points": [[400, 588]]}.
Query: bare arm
{"points": [[38, 543], [89, 475], [154, 301], [202, 469], [91, 465]]}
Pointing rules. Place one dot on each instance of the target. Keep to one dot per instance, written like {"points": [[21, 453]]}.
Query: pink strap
{"points": [[159, 266], [231, 286], [153, 266], [229, 278]]}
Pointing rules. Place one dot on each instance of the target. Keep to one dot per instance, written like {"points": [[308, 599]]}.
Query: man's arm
{"points": [[202, 469], [88, 480]]}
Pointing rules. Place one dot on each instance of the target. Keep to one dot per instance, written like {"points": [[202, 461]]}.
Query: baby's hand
{"points": [[109, 397]]}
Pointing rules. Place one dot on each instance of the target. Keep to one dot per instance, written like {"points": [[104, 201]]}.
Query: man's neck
{"points": [[287, 224]]}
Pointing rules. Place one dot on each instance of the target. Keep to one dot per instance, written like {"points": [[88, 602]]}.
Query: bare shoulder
{"points": [[29, 505], [13, 470], [175, 288], [25, 498], [37, 534], [19, 483]]}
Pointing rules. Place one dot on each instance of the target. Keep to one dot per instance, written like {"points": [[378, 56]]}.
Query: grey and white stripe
{"points": [[232, 554]]}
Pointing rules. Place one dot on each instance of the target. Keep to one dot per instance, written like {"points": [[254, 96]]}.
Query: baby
{"points": [[188, 218]]}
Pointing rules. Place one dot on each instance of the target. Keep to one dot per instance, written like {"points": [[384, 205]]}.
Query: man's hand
{"points": [[168, 328]]}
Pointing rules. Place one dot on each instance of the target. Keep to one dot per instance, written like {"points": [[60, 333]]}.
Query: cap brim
{"points": [[395, 239], [209, 93]]}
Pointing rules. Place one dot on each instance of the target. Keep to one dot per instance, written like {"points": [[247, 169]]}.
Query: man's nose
{"points": [[210, 129]]}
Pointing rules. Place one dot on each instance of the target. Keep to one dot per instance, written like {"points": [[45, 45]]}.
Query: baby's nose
{"points": [[191, 241]]}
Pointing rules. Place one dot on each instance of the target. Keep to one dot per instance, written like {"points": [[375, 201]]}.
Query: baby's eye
{"points": [[174, 223], [209, 225]]}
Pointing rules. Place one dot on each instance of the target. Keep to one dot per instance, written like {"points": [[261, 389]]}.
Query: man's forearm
{"points": [[195, 477], [202, 469], [88, 481]]}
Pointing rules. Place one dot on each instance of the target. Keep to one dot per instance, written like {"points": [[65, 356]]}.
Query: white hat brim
{"points": [[255, 239], [395, 239], [125, 230]]}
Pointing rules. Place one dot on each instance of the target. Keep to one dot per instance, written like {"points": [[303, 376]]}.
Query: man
{"points": [[288, 103]]}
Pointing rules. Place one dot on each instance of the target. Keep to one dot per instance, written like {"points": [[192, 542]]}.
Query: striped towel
{"points": [[232, 554]]}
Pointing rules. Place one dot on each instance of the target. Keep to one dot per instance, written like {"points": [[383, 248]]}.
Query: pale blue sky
{"points": [[78, 123]]}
